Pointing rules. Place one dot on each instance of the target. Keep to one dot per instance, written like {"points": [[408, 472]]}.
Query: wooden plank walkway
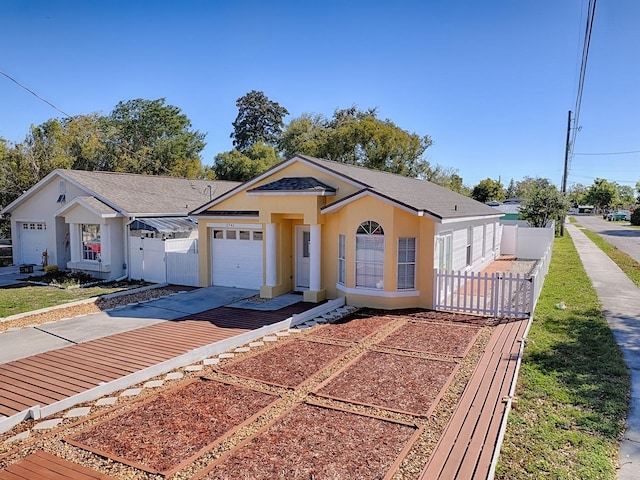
{"points": [[44, 466], [49, 377], [466, 448]]}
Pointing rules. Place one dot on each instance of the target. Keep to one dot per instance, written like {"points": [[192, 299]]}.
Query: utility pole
{"points": [[566, 169]]}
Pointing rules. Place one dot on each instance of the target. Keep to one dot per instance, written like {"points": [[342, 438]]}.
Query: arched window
{"points": [[370, 255]]}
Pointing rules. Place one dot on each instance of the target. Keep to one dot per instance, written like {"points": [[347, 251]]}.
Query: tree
{"points": [[624, 197], [577, 194], [511, 191], [488, 190], [601, 193], [360, 138], [542, 205], [638, 192], [259, 120], [530, 184], [147, 136], [241, 167]]}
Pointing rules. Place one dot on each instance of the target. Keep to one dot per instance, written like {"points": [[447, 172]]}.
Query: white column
{"points": [[314, 261], [270, 263], [75, 243]]}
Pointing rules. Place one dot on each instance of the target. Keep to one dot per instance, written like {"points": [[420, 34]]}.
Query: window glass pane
{"points": [[406, 263], [245, 235], [90, 241], [218, 234], [257, 235], [370, 261], [342, 263], [306, 239], [231, 234]]}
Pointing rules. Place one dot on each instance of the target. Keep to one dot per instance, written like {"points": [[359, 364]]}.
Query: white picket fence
{"points": [[492, 294]]}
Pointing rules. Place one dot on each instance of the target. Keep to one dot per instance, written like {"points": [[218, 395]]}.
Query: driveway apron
{"points": [[620, 300]]}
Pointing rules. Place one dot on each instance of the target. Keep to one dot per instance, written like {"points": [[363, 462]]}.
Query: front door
{"points": [[303, 237]]}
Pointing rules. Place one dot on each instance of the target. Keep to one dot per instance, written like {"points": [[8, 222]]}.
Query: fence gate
{"points": [[495, 294], [173, 261]]}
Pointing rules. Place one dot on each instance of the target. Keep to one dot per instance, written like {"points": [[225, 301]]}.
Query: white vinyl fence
{"points": [[172, 261], [500, 294]]}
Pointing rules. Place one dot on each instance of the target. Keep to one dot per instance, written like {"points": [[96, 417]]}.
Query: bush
{"points": [[635, 217]]}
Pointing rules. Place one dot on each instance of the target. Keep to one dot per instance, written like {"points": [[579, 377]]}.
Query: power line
{"points": [[34, 93], [591, 10], [610, 153]]}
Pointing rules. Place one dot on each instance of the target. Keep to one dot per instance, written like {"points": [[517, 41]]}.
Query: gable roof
{"points": [[418, 196], [135, 194]]}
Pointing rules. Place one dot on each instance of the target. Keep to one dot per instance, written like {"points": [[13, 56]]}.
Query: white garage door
{"points": [[236, 258], [33, 241]]}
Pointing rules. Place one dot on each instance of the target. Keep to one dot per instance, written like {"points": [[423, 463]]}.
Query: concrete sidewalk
{"points": [[620, 300]]}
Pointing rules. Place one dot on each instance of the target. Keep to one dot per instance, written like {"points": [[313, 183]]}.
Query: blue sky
{"points": [[491, 82]]}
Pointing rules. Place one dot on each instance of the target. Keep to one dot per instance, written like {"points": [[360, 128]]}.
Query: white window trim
{"points": [[342, 261], [414, 263], [374, 292]]}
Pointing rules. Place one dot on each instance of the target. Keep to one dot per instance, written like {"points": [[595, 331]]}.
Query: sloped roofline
{"points": [[63, 175], [245, 186]]}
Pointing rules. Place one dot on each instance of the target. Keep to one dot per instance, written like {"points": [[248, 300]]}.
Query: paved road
{"points": [[620, 300], [616, 233]]}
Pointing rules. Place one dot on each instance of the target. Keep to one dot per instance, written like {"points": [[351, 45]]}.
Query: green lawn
{"points": [[22, 299], [573, 388]]}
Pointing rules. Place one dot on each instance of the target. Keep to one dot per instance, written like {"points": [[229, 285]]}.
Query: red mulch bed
{"points": [[442, 339], [355, 330], [400, 383], [174, 427], [313, 442], [287, 365], [450, 317]]}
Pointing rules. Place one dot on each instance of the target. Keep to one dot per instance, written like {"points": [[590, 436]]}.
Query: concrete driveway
{"points": [[619, 234], [10, 276], [42, 338]]}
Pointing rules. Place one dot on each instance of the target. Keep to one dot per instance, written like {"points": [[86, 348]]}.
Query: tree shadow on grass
{"points": [[585, 369]]}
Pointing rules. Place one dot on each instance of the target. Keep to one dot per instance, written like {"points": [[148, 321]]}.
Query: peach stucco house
{"points": [[330, 230]]}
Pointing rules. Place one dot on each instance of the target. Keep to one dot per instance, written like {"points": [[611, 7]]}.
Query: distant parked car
{"points": [[619, 215]]}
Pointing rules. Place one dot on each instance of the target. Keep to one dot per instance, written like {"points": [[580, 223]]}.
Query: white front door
{"points": [[303, 238]]}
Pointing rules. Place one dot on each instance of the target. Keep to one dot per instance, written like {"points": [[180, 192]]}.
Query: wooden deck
{"points": [[49, 377], [466, 448], [44, 466]]}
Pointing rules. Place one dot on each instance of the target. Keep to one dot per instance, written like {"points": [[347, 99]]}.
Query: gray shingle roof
{"points": [[295, 184], [416, 194], [134, 194]]}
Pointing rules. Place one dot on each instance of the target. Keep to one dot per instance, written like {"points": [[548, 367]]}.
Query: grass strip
{"points": [[21, 298], [573, 387], [628, 265]]}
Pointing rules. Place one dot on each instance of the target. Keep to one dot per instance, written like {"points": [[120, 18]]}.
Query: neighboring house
{"points": [[511, 211], [83, 219], [329, 229]]}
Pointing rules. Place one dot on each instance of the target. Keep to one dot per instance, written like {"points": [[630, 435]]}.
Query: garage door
{"points": [[33, 241], [236, 258]]}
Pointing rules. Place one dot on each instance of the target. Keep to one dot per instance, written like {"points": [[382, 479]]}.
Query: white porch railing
{"points": [[495, 294]]}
